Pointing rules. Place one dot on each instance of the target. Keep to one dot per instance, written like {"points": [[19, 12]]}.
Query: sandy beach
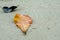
{"points": [[45, 15]]}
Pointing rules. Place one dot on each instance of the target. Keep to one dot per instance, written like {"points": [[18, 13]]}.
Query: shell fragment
{"points": [[23, 22]]}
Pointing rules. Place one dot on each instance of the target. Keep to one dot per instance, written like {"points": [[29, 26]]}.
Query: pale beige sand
{"points": [[45, 15]]}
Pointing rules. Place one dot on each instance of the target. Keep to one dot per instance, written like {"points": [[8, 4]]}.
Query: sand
{"points": [[45, 15]]}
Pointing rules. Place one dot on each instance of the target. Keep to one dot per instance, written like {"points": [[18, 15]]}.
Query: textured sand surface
{"points": [[45, 15]]}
